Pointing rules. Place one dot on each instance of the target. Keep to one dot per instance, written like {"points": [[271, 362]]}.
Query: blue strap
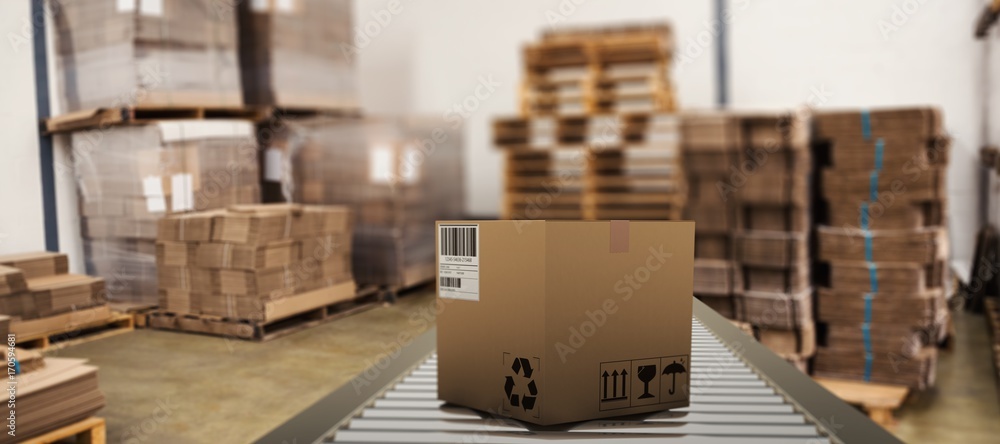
{"points": [[866, 124], [868, 245], [873, 186], [873, 277], [879, 148], [867, 333]]}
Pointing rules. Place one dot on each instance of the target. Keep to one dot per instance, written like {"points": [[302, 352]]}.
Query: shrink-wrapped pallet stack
{"points": [[130, 177], [298, 54], [114, 53], [883, 243], [397, 175], [252, 262], [772, 190]]}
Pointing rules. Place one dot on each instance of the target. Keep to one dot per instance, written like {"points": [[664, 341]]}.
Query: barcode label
{"points": [[459, 241], [458, 261]]}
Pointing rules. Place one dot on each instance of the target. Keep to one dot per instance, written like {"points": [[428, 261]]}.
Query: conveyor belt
{"points": [[735, 399]]}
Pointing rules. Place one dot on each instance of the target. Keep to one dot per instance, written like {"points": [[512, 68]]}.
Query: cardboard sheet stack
{"points": [[884, 241], [398, 175], [156, 53], [772, 189], [599, 70], [239, 262], [129, 177], [52, 393], [634, 167], [710, 142], [545, 161], [36, 288], [298, 54]]}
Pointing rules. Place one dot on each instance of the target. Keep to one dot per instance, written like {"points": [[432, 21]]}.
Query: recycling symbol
{"points": [[524, 394]]}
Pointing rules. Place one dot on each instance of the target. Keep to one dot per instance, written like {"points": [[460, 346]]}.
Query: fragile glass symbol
{"points": [[646, 374]]}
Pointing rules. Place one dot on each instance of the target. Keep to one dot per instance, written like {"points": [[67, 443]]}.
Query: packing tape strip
{"points": [[867, 334], [873, 186], [879, 149], [866, 124]]}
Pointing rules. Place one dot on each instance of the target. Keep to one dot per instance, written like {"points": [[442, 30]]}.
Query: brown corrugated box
{"points": [[35, 265], [66, 292], [540, 320]]}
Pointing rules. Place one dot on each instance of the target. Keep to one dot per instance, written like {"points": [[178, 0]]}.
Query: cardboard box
{"points": [[543, 318], [11, 280], [36, 265], [65, 292]]}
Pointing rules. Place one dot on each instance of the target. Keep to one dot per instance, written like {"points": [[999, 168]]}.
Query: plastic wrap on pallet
{"points": [[398, 175], [129, 177], [298, 54], [112, 53]]}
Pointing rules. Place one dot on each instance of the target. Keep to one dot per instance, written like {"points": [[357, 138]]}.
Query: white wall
{"points": [[21, 219]]}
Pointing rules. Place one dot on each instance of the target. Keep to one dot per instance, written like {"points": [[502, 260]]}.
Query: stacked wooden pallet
{"points": [[634, 167], [605, 166], [772, 240], [884, 244], [599, 70], [709, 143], [545, 160]]}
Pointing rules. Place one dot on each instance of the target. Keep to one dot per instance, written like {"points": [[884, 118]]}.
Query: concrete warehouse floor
{"points": [[165, 387]]}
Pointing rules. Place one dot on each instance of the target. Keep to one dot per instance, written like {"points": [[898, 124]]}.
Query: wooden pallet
{"points": [[261, 331], [878, 400], [89, 431], [140, 312], [71, 335], [105, 117]]}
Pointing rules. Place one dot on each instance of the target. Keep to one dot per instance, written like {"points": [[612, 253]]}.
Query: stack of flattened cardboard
{"points": [[51, 393], [634, 167], [38, 285], [298, 54], [771, 185], [397, 175], [113, 53], [884, 244], [710, 142], [128, 177], [545, 162], [233, 263], [599, 70]]}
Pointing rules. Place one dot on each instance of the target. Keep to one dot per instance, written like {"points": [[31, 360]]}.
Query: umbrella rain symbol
{"points": [[673, 369]]}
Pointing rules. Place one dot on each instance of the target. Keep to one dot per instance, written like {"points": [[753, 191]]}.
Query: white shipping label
{"points": [[458, 261], [274, 165], [156, 204], [152, 186], [287, 6], [126, 5], [152, 8], [182, 197]]}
